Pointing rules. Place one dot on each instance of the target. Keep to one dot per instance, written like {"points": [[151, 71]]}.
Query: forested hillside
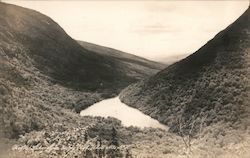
{"points": [[208, 87], [44, 71]]}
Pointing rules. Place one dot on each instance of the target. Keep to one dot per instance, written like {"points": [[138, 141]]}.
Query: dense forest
{"points": [[208, 87], [204, 99]]}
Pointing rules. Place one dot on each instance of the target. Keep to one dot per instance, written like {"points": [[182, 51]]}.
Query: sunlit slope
{"points": [[213, 84]]}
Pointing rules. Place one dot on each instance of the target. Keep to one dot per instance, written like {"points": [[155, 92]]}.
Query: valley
{"points": [[65, 98]]}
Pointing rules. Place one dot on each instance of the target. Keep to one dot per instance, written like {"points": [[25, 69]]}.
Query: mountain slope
{"points": [[44, 73], [132, 65], [213, 84], [122, 56], [58, 56]]}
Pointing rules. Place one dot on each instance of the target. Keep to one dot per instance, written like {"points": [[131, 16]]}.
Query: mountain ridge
{"points": [[212, 83], [121, 55], [59, 56]]}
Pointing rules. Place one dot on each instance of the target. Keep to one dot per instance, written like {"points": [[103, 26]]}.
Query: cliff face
{"points": [[211, 84]]}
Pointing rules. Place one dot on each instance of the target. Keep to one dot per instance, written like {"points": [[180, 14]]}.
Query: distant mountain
{"points": [[172, 59], [44, 71], [133, 66], [213, 84]]}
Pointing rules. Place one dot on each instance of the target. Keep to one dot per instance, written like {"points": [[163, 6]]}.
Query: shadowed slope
{"points": [[44, 72], [29, 34]]}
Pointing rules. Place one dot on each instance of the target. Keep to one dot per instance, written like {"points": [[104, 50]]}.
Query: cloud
{"points": [[156, 28], [160, 6], [146, 28], [158, 18]]}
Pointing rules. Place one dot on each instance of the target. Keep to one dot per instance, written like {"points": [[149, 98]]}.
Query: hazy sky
{"points": [[152, 29]]}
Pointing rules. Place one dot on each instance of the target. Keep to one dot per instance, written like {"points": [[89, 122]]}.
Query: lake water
{"points": [[129, 116]]}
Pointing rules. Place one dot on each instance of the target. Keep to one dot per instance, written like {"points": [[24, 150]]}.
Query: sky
{"points": [[156, 30]]}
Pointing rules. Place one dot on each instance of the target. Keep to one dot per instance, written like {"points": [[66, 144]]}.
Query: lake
{"points": [[129, 116]]}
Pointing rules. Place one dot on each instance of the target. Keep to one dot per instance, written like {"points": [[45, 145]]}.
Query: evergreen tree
{"points": [[114, 140], [85, 136], [114, 151], [100, 150]]}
